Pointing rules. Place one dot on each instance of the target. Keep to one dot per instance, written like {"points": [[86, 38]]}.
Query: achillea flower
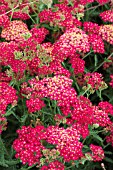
{"points": [[37, 57], [7, 58], [4, 77], [44, 167], [111, 82], [78, 64], [102, 1], [90, 27], [7, 96], [62, 14], [107, 107], [28, 145], [82, 111], [107, 15], [81, 2], [56, 68], [106, 32], [34, 105], [101, 117], [4, 21], [97, 43], [67, 23], [39, 34], [15, 31], [7, 52], [20, 14], [56, 88], [3, 7], [56, 165], [97, 153], [82, 129], [72, 41], [109, 139], [67, 141], [95, 80]]}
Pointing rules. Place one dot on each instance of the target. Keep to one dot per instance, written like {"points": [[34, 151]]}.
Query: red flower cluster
{"points": [[97, 153], [44, 64], [15, 31], [109, 138], [67, 141], [62, 15], [4, 21], [107, 15], [4, 77], [107, 107], [95, 80], [97, 43], [101, 117], [7, 58], [77, 63], [39, 34], [7, 96], [56, 88], [90, 27], [28, 145], [72, 41], [102, 1], [56, 165], [106, 32], [34, 105], [82, 111], [111, 82]]}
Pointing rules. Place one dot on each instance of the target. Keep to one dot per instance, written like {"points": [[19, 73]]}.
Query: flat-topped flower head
{"points": [[101, 117], [95, 80], [106, 32], [97, 153], [91, 27], [111, 82], [106, 106], [97, 43], [15, 31], [67, 141], [4, 21], [28, 145], [73, 40], [7, 96], [107, 15], [56, 88], [77, 63]]}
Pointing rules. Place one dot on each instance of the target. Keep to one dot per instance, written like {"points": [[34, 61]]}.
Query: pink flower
{"points": [[97, 153], [106, 32], [28, 145], [7, 96], [107, 15]]}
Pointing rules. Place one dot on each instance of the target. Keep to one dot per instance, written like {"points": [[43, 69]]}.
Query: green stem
{"points": [[70, 167], [102, 63], [87, 55], [85, 91]]}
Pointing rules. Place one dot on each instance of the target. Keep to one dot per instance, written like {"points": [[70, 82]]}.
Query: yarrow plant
{"points": [[56, 84]]}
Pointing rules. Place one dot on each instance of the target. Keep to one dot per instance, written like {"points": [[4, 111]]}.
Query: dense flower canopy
{"points": [[56, 84]]}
